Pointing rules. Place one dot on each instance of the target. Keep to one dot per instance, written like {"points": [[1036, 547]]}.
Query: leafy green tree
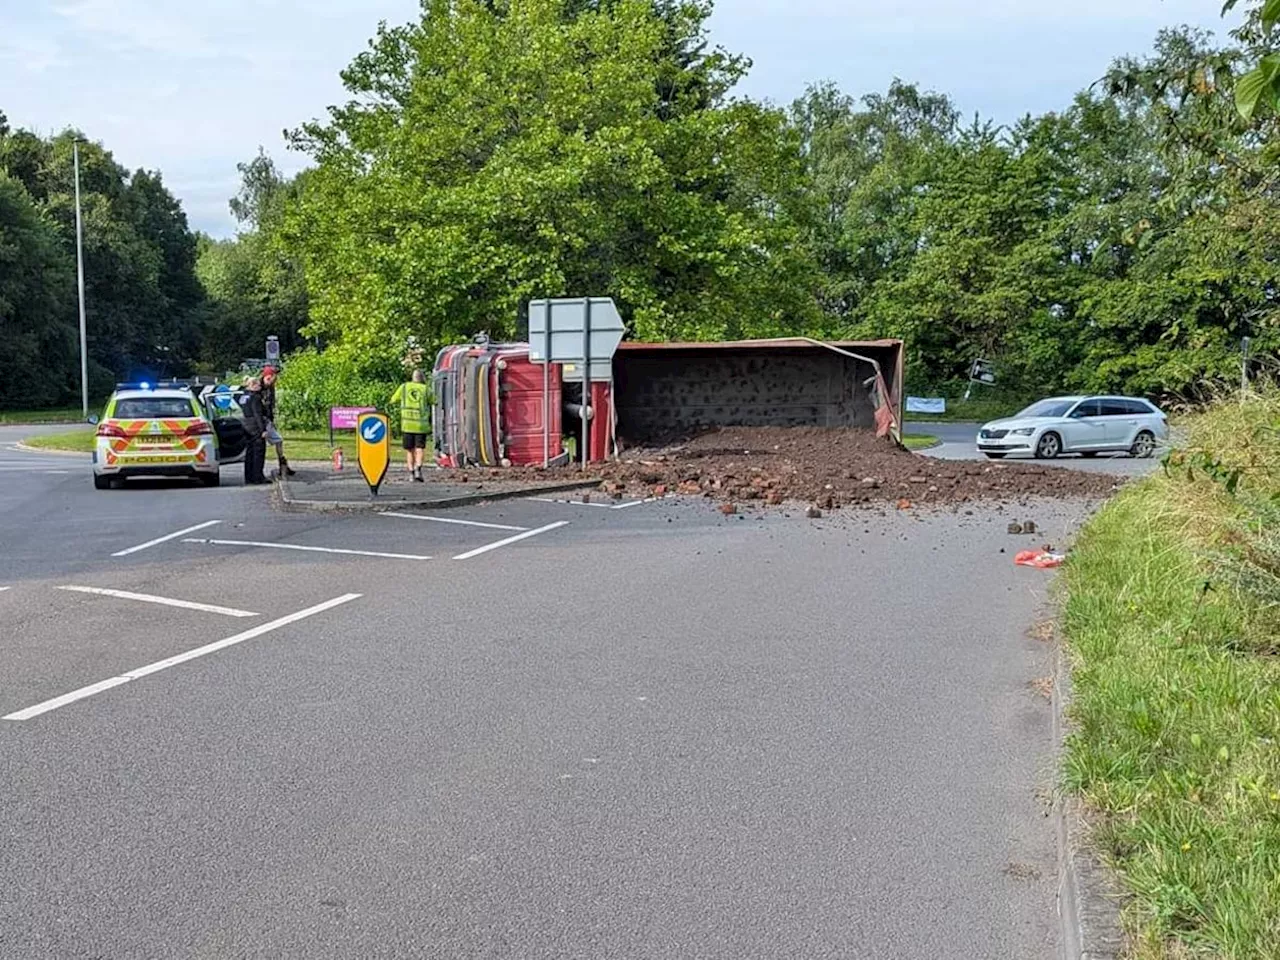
{"points": [[498, 152], [254, 282], [35, 282], [142, 298]]}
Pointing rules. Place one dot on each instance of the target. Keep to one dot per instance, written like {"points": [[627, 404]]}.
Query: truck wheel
{"points": [[101, 481], [211, 479]]}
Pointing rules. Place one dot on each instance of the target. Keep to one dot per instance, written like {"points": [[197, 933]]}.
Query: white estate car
{"points": [[1084, 425]]}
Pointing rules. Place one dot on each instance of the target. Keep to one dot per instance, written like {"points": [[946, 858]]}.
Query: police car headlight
{"points": [[1023, 431]]}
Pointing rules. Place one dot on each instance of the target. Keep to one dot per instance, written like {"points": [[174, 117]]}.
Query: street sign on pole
{"points": [[581, 333], [560, 329], [982, 371], [273, 350], [373, 449]]}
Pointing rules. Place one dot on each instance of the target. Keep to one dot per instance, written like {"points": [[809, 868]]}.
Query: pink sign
{"points": [[344, 418]]}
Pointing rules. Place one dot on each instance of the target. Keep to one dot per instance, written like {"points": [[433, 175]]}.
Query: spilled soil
{"points": [[826, 467]]}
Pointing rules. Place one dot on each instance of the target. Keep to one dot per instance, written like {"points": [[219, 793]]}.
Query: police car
{"points": [[167, 430]]}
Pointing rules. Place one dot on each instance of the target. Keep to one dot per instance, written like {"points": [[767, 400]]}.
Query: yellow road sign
{"points": [[373, 448]]}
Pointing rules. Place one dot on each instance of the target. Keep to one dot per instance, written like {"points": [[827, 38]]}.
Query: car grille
{"points": [[994, 434]]}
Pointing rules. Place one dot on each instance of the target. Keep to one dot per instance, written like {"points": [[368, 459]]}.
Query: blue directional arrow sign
{"points": [[373, 449]]}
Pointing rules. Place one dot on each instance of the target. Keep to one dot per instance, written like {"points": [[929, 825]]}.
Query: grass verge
{"points": [[78, 441], [297, 446], [919, 441], [1172, 619], [62, 415]]}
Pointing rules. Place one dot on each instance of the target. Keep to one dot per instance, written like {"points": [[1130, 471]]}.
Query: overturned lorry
{"points": [[496, 406]]}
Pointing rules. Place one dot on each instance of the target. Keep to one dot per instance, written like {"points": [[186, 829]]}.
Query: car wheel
{"points": [[996, 456], [101, 482], [1049, 447], [1144, 445], [210, 479]]}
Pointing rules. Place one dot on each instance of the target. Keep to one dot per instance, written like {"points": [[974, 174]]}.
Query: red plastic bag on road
{"points": [[1039, 558]]}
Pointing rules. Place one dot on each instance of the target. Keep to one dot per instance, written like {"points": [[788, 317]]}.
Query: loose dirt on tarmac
{"points": [[828, 467]]}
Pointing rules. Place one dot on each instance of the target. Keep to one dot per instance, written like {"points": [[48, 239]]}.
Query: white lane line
{"points": [[634, 503], [294, 546], [171, 536], [598, 506], [510, 540], [164, 601], [462, 523], [3, 589], [137, 674]]}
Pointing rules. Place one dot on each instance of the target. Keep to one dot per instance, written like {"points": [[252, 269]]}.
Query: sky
{"points": [[191, 87]]}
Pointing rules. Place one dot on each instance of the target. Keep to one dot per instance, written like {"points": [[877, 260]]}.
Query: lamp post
{"points": [[84, 346]]}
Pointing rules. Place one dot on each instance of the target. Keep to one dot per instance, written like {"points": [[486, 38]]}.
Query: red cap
{"points": [[269, 370]]}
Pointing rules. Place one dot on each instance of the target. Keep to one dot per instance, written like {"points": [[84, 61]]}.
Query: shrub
{"points": [[312, 381]]}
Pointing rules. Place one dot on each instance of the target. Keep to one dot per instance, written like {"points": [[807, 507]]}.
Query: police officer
{"points": [[255, 429], [415, 421]]}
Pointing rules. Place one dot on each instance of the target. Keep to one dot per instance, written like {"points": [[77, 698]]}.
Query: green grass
{"points": [[1172, 594], [61, 415], [80, 441], [300, 445], [919, 441]]}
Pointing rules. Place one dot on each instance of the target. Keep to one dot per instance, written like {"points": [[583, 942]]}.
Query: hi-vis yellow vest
{"points": [[415, 413]]}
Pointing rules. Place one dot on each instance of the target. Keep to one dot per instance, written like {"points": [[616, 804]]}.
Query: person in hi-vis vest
{"points": [[415, 421]]}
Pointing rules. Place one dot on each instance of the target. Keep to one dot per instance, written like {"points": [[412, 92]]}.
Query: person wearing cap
{"points": [[415, 421], [255, 430], [269, 407]]}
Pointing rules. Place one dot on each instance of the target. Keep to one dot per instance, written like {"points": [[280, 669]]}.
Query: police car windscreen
{"points": [[152, 408]]}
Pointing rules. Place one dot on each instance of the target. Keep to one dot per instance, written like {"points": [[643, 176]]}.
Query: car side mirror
{"points": [[1076, 415], [93, 419]]}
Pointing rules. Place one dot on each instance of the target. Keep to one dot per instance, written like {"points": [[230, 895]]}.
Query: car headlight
{"points": [[1023, 431]]}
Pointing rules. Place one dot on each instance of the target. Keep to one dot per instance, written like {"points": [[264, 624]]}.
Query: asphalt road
{"points": [[652, 731], [960, 442]]}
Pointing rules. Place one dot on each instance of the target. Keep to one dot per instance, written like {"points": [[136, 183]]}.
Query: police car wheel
{"points": [[101, 482], [210, 479]]}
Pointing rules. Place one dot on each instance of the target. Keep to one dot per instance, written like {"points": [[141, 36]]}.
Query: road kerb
{"points": [[292, 503], [1088, 897], [81, 454]]}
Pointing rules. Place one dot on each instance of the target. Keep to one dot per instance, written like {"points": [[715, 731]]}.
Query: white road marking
{"points": [[510, 540], [294, 546], [137, 674], [3, 589], [164, 601], [635, 503], [574, 503], [51, 472], [171, 536], [592, 503], [463, 523]]}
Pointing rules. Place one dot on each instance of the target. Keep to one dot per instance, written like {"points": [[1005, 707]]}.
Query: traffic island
{"points": [[316, 487]]}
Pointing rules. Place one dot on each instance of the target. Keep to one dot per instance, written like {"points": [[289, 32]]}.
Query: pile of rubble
{"points": [[832, 468]]}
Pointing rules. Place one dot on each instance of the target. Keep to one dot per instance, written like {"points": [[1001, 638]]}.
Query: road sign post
{"points": [[373, 449], [580, 330]]}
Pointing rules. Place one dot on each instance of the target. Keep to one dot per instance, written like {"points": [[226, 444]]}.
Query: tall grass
{"points": [[1173, 595]]}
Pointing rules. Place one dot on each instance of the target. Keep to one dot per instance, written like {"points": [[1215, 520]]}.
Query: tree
{"points": [[35, 309], [142, 298], [499, 152], [254, 282]]}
